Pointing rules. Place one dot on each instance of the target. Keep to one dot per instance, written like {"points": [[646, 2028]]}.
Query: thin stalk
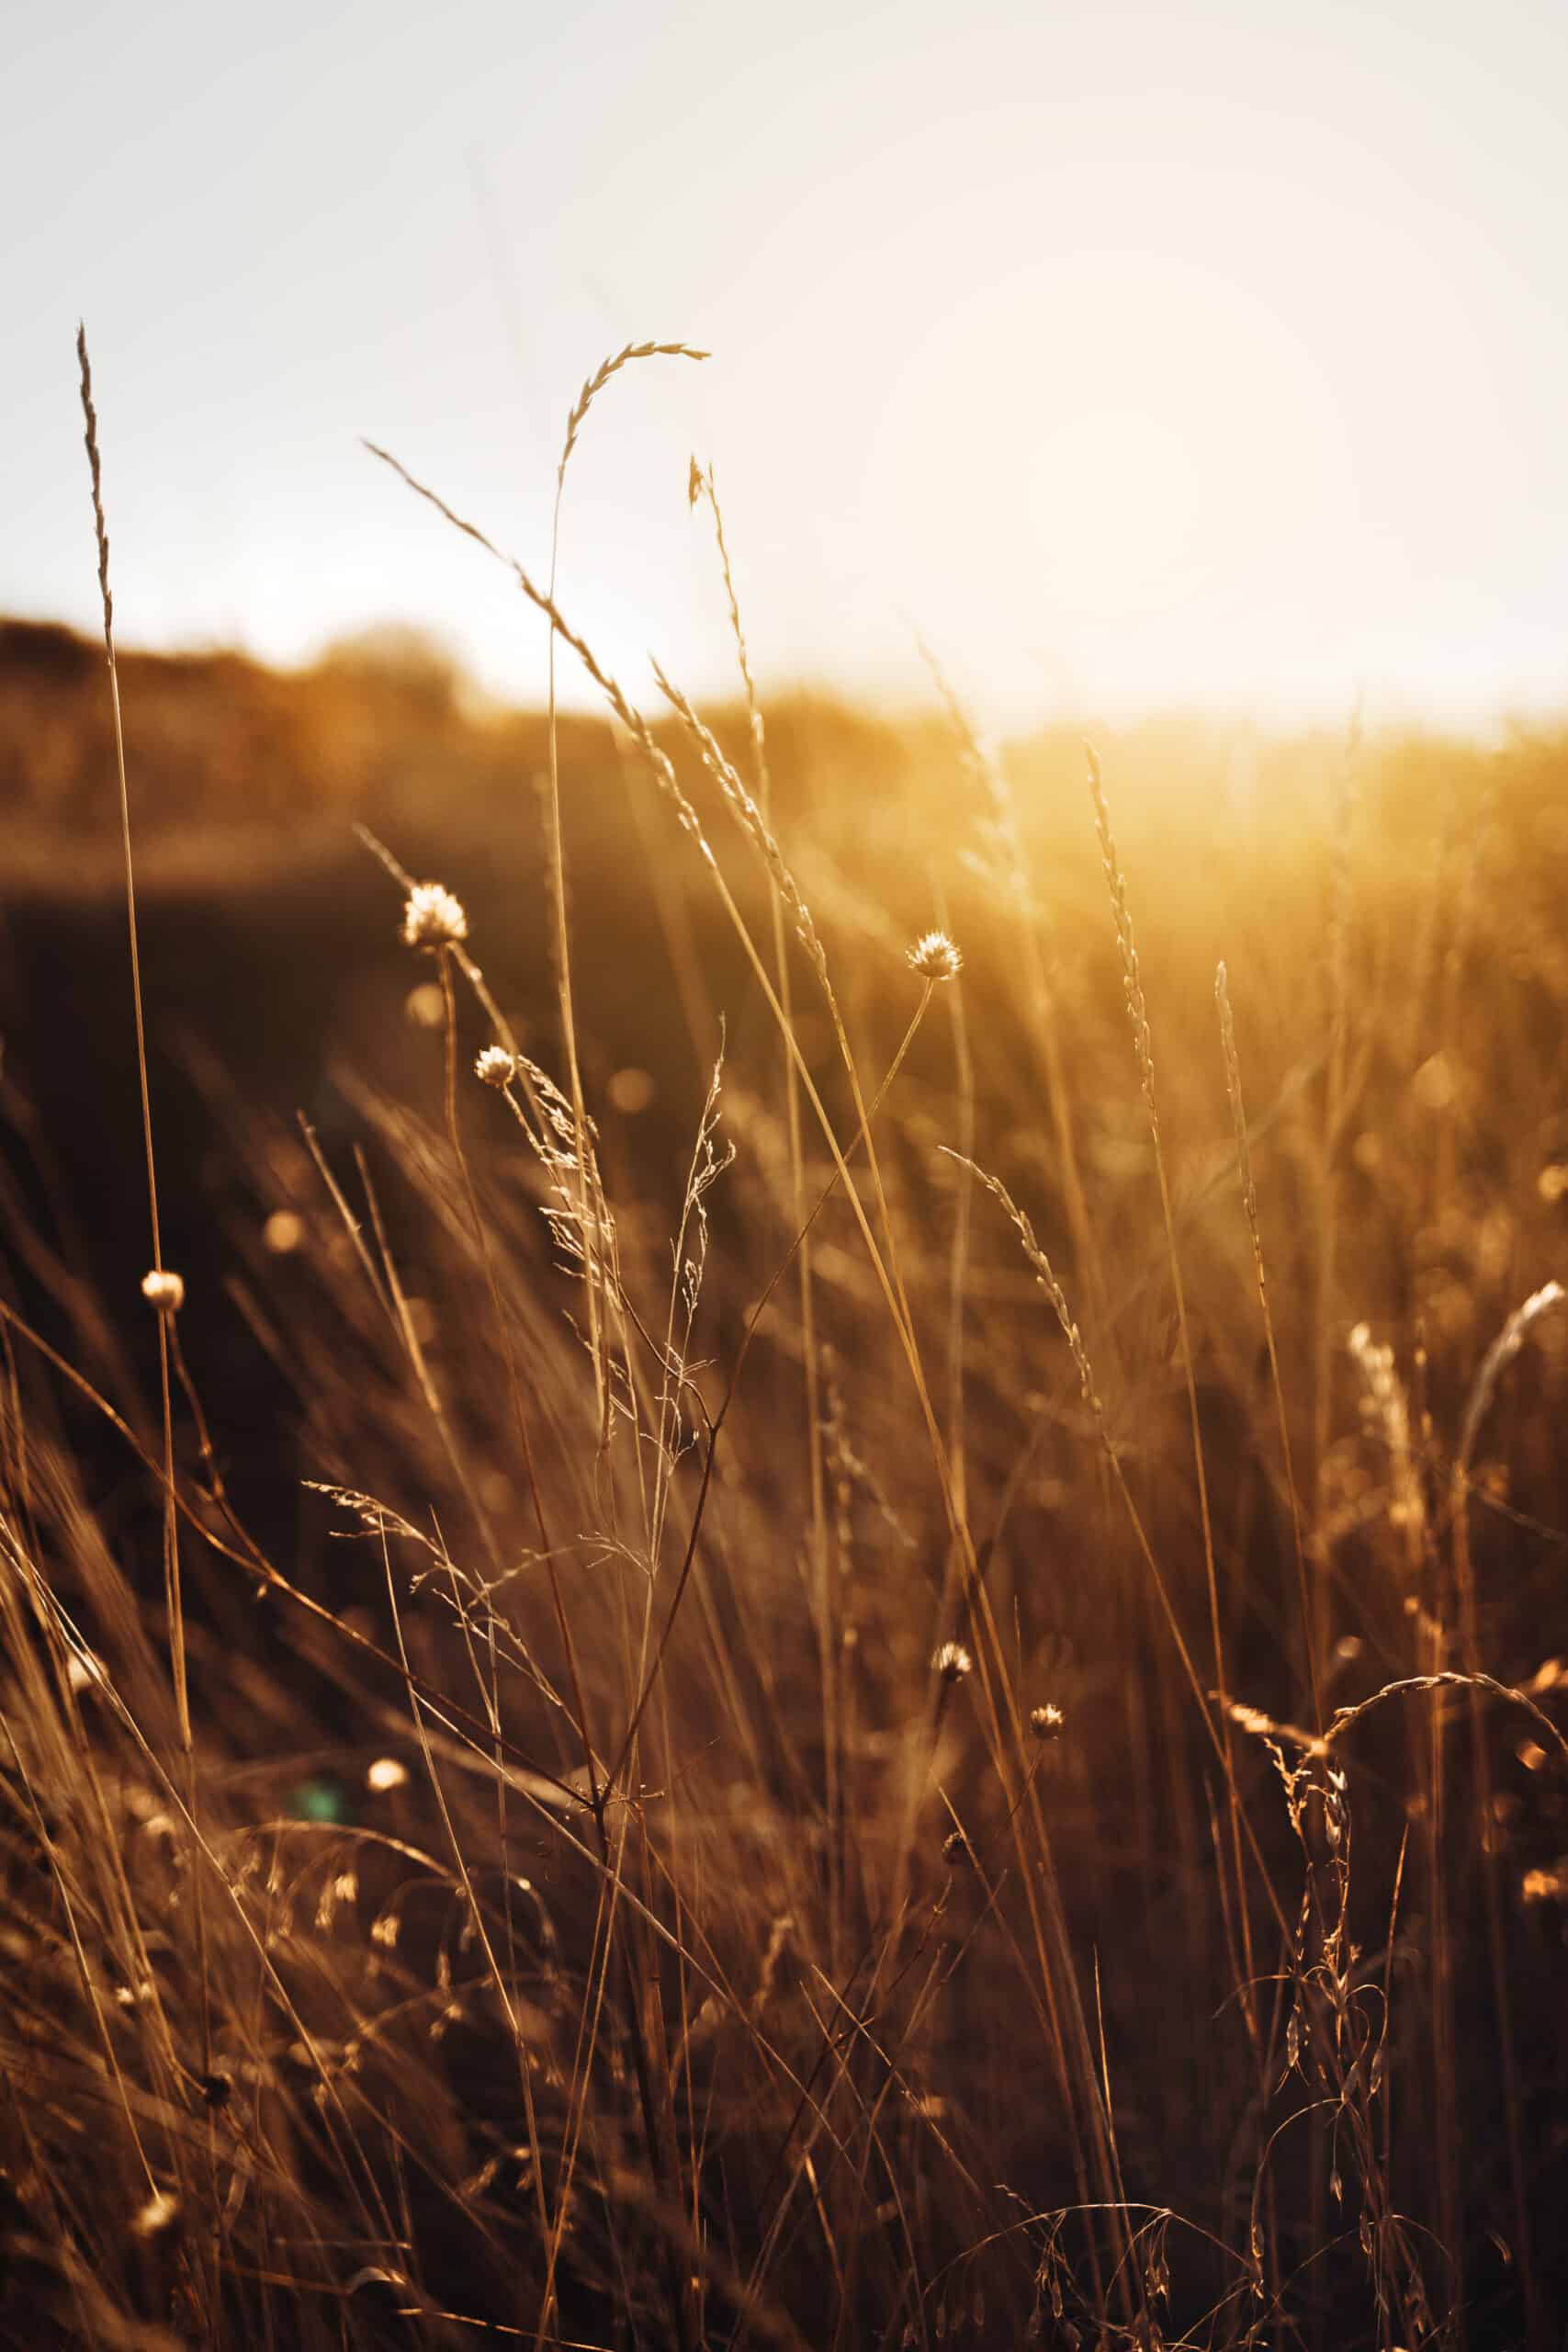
{"points": [[1138, 1017], [164, 1288]]}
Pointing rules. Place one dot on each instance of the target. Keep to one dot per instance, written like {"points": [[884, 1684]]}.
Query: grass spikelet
{"points": [[1045, 1275], [701, 484], [1389, 1405], [1127, 946], [593, 385], [1496, 1361], [543, 602], [753, 823]]}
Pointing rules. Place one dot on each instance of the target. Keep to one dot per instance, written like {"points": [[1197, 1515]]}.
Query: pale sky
{"points": [[1181, 354]]}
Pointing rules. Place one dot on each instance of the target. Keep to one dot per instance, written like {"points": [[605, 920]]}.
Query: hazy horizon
{"points": [[1202, 358]]}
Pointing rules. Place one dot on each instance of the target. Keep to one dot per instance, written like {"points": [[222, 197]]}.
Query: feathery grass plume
{"points": [[629, 717], [1045, 1275], [1387, 1402], [1264, 1727], [1238, 1120], [752, 822], [701, 484], [100, 529], [935, 958], [1346, 1718], [1127, 946], [593, 385], [1496, 1361]]}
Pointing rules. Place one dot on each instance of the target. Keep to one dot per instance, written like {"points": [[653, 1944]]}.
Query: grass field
{"points": [[786, 1645]]}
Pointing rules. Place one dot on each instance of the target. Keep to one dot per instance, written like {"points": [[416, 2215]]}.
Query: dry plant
{"points": [[700, 1775]]}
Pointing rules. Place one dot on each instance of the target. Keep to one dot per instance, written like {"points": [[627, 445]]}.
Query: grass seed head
{"points": [[935, 958], [432, 917], [157, 2216]]}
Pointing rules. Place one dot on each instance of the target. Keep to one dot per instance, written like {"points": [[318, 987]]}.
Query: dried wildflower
{"points": [[495, 1066], [164, 1290], [956, 1850], [158, 2214], [1046, 1723], [935, 958], [952, 1662], [432, 917]]}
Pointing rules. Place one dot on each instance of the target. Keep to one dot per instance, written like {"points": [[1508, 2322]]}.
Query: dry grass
{"points": [[746, 1779]]}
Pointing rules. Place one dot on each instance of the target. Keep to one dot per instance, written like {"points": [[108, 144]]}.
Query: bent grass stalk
{"points": [[164, 1290]]}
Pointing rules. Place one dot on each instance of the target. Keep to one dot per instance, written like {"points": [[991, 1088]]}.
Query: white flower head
{"points": [[495, 1066], [935, 958], [432, 917], [164, 1290]]}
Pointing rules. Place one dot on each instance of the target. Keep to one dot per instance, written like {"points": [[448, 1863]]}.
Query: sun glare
{"points": [[1115, 499], [1120, 454]]}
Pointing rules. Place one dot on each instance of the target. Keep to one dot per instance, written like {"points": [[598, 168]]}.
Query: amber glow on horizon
{"points": [[1201, 355]]}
